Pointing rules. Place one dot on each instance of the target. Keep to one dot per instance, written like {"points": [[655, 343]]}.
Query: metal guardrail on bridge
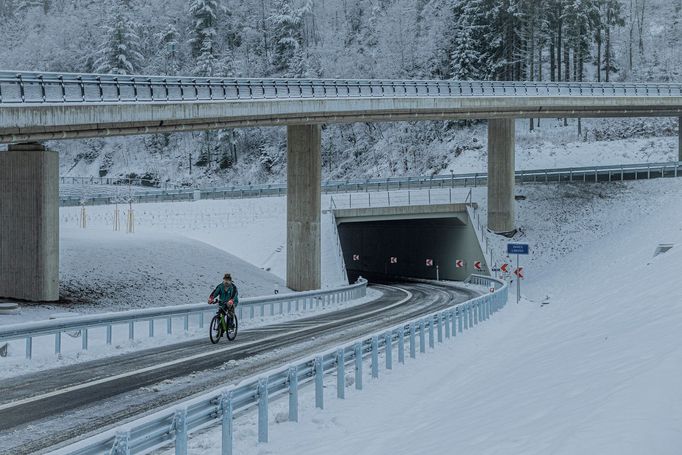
{"points": [[279, 304], [173, 425], [607, 173], [31, 87]]}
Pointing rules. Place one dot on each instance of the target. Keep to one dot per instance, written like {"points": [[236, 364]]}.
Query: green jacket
{"points": [[224, 294]]}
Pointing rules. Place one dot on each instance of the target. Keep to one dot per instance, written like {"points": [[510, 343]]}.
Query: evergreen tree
{"points": [[204, 22], [287, 32], [118, 53]]}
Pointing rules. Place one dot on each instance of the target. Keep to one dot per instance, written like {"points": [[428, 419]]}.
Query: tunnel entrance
{"points": [[410, 246]]}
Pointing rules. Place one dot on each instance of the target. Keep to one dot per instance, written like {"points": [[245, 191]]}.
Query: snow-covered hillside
{"points": [[588, 362]]}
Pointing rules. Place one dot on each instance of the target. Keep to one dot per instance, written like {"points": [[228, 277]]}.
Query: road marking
{"points": [[86, 385]]}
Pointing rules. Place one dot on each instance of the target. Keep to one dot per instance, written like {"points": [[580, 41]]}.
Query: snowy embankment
{"points": [[594, 370]]}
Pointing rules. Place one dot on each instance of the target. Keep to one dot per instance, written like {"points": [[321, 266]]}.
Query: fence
{"points": [[251, 307], [174, 425], [31, 87], [561, 175]]}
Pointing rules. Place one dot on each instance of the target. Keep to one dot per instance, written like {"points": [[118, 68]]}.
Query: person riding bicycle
{"points": [[227, 296]]}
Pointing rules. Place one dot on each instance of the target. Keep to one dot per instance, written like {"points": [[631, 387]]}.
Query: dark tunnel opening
{"points": [[387, 250]]}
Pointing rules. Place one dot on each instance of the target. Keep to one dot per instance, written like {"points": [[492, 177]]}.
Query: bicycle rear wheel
{"points": [[232, 331], [215, 331]]}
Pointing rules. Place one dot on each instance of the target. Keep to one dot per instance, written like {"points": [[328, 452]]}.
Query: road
{"points": [[44, 409]]}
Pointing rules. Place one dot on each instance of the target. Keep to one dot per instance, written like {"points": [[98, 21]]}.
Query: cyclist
{"points": [[227, 296]]}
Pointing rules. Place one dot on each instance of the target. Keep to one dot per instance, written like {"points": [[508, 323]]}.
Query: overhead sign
{"points": [[517, 248], [429, 262], [356, 257], [394, 260], [504, 268], [459, 263], [518, 272], [477, 265]]}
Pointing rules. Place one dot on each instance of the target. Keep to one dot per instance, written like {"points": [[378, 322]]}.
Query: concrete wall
{"points": [[501, 144], [29, 223], [22, 123], [303, 207]]}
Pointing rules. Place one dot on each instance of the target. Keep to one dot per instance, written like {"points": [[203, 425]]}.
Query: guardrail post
{"points": [[413, 342], [340, 375], [226, 406], [388, 344], [471, 315], [319, 383], [440, 327], [252, 312], [422, 337], [58, 342], [375, 357], [401, 345], [465, 311], [186, 326], [453, 320], [131, 330], [358, 366], [446, 322], [460, 317], [431, 341], [169, 325], [151, 328], [109, 334], [263, 410], [84, 339], [180, 423], [293, 394], [121, 443], [476, 312]]}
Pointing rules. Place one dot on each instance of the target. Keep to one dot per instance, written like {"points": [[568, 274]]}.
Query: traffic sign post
{"points": [[517, 249]]}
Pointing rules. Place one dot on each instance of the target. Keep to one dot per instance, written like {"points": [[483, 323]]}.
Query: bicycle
{"points": [[219, 325]]}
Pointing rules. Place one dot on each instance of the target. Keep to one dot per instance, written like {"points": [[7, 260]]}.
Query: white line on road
{"points": [[190, 358]]}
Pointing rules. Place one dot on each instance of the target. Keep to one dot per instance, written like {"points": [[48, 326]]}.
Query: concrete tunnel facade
{"points": [[421, 239]]}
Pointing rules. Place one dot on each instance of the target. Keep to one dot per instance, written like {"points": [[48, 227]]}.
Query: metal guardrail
{"points": [[607, 173], [279, 304], [31, 87], [174, 425]]}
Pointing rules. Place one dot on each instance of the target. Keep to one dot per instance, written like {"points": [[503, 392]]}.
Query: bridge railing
{"points": [[173, 425], [248, 308], [554, 175], [31, 87]]}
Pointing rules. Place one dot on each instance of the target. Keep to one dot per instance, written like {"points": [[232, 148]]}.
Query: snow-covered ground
{"points": [[589, 361]]}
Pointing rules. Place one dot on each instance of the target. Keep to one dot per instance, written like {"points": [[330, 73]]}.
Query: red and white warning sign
{"points": [[459, 263], [504, 268], [519, 272], [394, 260], [429, 262], [477, 265], [356, 257]]}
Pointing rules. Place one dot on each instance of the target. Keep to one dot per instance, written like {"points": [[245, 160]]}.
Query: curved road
{"points": [[43, 409]]}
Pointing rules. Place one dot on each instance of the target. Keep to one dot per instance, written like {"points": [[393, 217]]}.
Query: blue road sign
{"points": [[517, 248]]}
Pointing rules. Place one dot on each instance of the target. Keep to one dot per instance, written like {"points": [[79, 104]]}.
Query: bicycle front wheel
{"points": [[215, 331]]}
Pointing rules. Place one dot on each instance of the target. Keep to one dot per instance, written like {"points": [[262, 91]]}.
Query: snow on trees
{"points": [[118, 53]]}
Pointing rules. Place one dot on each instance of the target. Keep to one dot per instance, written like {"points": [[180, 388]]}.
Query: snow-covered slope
{"points": [[595, 370]]}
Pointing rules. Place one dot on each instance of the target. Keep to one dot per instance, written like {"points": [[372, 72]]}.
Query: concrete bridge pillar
{"points": [[29, 223], [501, 175], [304, 181]]}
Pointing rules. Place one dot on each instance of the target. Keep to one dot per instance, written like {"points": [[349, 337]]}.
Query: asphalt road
{"points": [[46, 408]]}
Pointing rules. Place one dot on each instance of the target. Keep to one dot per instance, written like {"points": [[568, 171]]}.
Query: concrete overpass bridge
{"points": [[36, 107]]}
